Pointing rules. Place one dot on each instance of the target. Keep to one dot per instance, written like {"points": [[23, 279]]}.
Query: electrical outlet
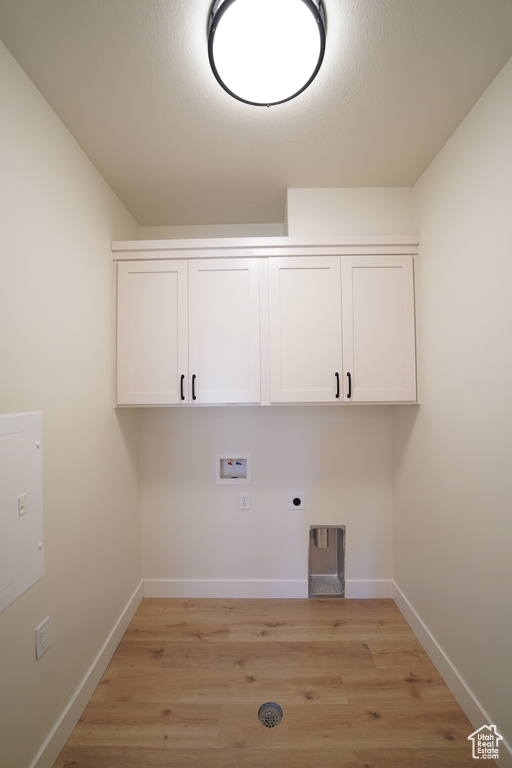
{"points": [[296, 501], [245, 501], [42, 637]]}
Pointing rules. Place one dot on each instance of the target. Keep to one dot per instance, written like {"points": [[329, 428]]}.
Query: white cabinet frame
{"points": [[365, 335], [305, 329], [379, 337], [224, 331], [152, 341], [188, 332]]}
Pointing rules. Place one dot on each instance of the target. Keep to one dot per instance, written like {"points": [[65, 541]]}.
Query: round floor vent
{"points": [[270, 714]]}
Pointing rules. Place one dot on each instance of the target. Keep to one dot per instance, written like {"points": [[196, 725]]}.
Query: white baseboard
{"points": [[57, 738], [373, 588], [464, 696], [256, 588], [225, 588]]}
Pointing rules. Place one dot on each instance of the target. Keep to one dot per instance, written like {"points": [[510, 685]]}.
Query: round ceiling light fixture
{"points": [[266, 52]]}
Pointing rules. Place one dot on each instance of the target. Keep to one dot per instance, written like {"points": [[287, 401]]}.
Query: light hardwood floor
{"points": [[184, 687]]}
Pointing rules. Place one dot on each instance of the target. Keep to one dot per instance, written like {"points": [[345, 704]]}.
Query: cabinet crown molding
{"points": [[368, 245]]}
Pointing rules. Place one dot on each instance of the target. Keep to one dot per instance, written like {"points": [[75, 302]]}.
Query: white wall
{"points": [[57, 218], [194, 538], [184, 231], [452, 479], [453, 455], [193, 530], [350, 211]]}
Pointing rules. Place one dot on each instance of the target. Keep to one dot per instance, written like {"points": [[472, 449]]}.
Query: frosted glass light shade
{"points": [[265, 52]]}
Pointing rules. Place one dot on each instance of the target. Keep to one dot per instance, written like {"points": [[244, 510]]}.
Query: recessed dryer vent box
{"points": [[233, 468], [326, 571]]}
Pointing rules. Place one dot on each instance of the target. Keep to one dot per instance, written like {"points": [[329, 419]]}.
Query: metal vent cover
{"points": [[270, 714]]}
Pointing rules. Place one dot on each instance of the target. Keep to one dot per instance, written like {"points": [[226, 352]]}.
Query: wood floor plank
{"points": [[169, 631], [339, 613], [397, 685], [288, 631], [390, 757], [147, 724], [186, 682], [348, 726], [334, 620], [123, 757], [399, 651], [426, 757], [130, 654], [215, 686], [177, 631], [226, 655]]}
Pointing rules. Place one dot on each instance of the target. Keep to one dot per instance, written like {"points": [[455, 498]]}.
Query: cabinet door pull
{"points": [[194, 387], [337, 385], [349, 393], [181, 386]]}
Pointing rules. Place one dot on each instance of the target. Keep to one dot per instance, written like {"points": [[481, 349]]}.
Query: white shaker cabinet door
{"points": [[151, 332], [224, 331], [305, 329], [378, 329]]}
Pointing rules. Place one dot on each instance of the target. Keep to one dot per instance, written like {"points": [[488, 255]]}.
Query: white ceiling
{"points": [[131, 80]]}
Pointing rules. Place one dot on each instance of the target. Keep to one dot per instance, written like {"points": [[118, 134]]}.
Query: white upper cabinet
{"points": [[379, 350], [188, 332], [278, 320], [152, 345], [325, 310], [224, 330], [305, 329]]}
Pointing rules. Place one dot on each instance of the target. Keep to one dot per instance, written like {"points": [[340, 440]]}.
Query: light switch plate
{"points": [[42, 637], [22, 504]]}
